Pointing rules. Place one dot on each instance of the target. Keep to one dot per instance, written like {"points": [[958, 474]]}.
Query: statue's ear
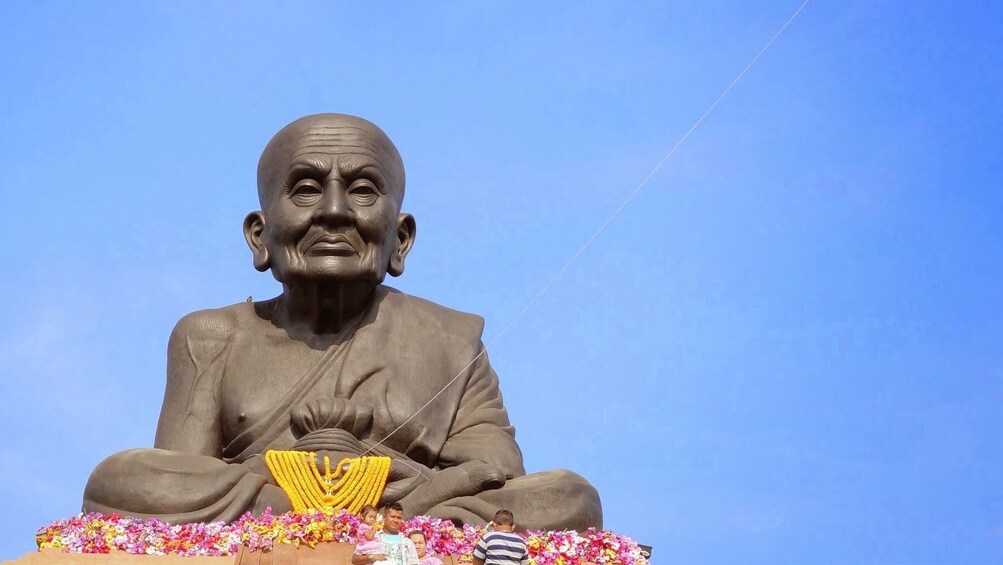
{"points": [[406, 230], [254, 225]]}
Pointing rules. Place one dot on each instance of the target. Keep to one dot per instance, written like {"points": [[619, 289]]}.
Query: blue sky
{"points": [[785, 350]]}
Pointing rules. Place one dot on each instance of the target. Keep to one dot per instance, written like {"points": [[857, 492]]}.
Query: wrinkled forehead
{"points": [[328, 141]]}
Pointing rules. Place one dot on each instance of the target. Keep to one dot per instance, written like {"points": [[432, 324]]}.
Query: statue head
{"points": [[330, 188]]}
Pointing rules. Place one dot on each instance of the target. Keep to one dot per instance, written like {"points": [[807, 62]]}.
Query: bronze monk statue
{"points": [[334, 364]]}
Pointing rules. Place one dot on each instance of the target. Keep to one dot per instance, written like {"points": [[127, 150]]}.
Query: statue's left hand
{"points": [[405, 474]]}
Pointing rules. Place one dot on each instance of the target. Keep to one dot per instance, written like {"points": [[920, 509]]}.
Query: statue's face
{"points": [[332, 192]]}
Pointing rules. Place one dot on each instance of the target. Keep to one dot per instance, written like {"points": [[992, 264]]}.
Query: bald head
{"points": [[329, 141]]}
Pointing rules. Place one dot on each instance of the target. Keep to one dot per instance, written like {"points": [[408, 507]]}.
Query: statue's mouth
{"points": [[331, 244]]}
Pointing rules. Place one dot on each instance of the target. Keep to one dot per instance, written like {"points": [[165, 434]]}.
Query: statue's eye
{"points": [[363, 192], [306, 192]]}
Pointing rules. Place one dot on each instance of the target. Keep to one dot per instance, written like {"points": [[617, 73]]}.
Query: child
{"points": [[367, 543], [418, 538], [499, 546]]}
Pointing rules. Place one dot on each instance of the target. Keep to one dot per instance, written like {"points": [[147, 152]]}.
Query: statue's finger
{"points": [[301, 419], [397, 490], [400, 470]]}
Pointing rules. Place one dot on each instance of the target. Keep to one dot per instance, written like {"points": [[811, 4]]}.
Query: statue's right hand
{"points": [[404, 477], [467, 479], [327, 413]]}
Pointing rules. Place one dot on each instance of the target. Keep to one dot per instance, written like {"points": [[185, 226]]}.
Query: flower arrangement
{"points": [[103, 533]]}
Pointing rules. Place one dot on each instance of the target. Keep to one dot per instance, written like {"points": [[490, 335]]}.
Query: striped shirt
{"points": [[501, 548]]}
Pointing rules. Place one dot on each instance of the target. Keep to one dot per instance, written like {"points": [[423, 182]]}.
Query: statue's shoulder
{"points": [[212, 323], [419, 315]]}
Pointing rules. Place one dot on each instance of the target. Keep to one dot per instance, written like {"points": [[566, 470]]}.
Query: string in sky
{"points": [[602, 227]]}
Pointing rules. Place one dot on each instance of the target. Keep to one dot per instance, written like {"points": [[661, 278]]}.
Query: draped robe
{"points": [[234, 378]]}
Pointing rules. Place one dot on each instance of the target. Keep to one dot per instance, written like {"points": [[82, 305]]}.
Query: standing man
{"points": [[397, 548], [500, 546]]}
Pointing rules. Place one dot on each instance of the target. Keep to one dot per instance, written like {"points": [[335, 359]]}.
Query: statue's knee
{"points": [[563, 480], [155, 481], [110, 479], [564, 476], [579, 483], [578, 498]]}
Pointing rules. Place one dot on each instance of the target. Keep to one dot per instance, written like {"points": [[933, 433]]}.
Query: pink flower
{"points": [[97, 533]]}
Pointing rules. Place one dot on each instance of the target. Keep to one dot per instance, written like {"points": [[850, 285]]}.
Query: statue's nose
{"points": [[334, 207]]}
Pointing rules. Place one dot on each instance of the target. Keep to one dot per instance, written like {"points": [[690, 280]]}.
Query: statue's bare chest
{"points": [[261, 373]]}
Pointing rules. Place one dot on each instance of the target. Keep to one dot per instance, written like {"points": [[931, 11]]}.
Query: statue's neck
{"points": [[323, 309]]}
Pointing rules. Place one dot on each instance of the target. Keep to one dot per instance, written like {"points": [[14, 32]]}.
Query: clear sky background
{"points": [[787, 349]]}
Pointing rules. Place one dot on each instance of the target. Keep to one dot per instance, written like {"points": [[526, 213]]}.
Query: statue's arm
{"points": [[196, 357], [184, 479], [197, 353], [481, 430]]}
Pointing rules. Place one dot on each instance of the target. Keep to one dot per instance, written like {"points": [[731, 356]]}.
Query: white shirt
{"points": [[398, 548]]}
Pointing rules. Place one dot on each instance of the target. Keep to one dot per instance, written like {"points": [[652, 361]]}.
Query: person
{"points": [[417, 537], [367, 542], [396, 549], [500, 545], [338, 364]]}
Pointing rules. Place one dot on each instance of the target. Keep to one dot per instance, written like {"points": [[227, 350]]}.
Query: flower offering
{"points": [[104, 533]]}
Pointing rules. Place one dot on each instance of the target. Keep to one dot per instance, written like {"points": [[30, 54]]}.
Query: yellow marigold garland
{"points": [[297, 473]]}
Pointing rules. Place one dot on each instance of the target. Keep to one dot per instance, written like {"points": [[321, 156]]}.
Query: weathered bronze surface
{"points": [[334, 364]]}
